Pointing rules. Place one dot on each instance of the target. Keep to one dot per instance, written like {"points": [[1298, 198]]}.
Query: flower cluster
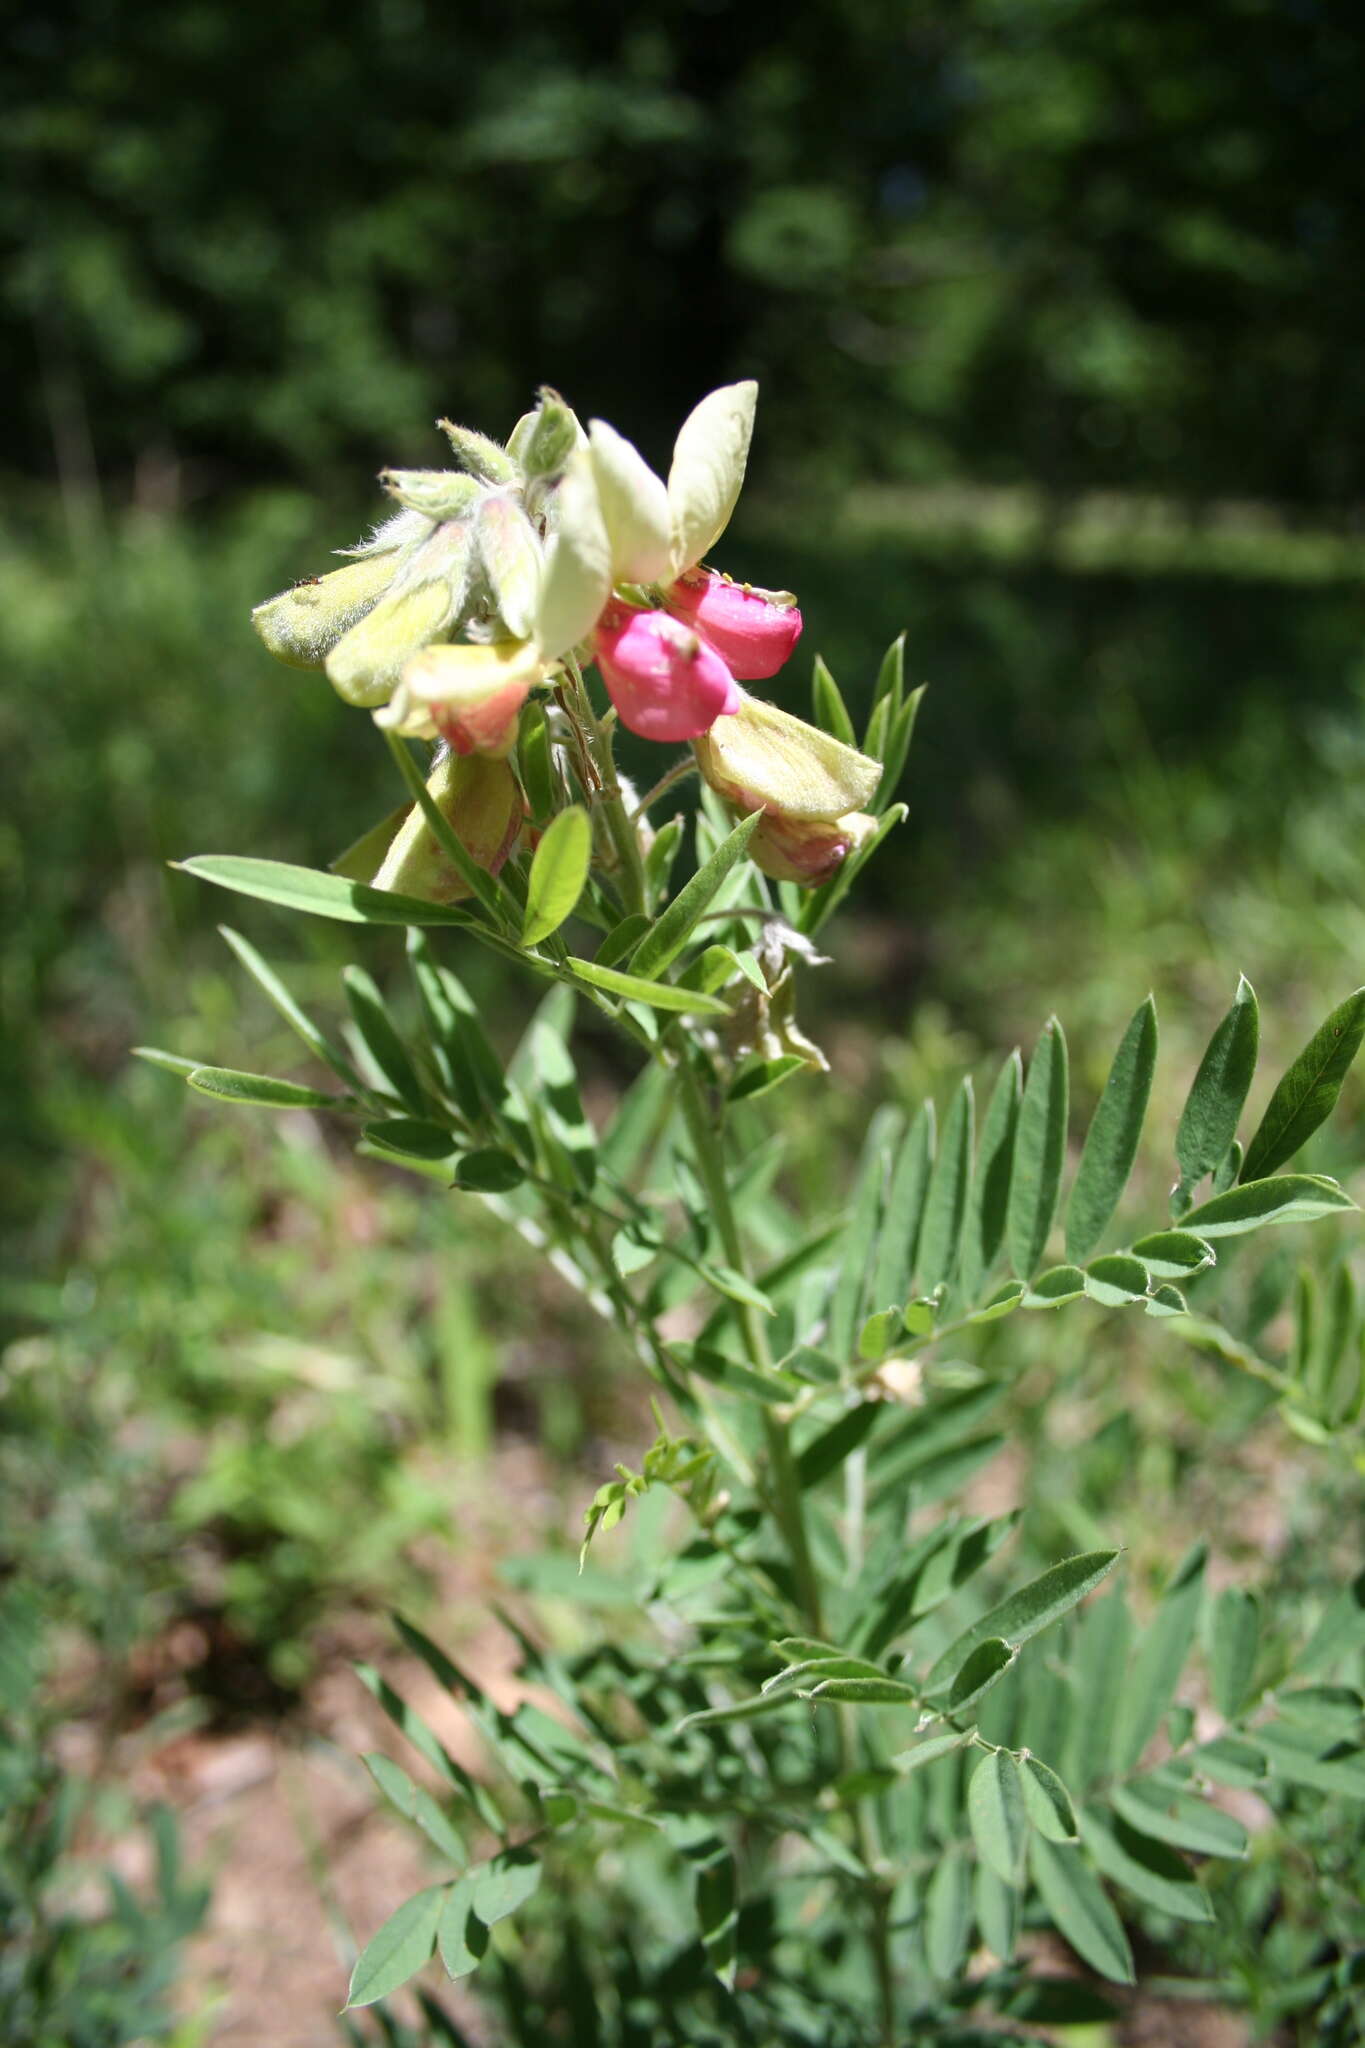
{"points": [[497, 578]]}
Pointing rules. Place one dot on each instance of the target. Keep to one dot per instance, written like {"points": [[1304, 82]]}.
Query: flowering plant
{"points": [[838, 1779]]}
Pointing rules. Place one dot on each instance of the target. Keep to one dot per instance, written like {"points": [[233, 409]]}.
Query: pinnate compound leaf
{"points": [[1307, 1094], [1208, 1122], [559, 869], [1112, 1140], [399, 1950], [1046, 1801], [225, 1084], [1078, 1907], [316, 893], [995, 1812], [1034, 1607], [1039, 1150], [671, 931], [1284, 1198]]}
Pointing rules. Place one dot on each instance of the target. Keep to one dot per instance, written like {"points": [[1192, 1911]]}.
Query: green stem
{"points": [[670, 779], [624, 837], [784, 1480]]}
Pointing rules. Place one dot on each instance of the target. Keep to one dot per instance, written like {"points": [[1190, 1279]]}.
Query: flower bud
{"points": [[424, 600], [483, 804], [510, 557], [542, 441], [478, 454], [666, 682], [302, 625], [755, 630], [436, 493], [469, 696], [764, 759], [805, 850]]}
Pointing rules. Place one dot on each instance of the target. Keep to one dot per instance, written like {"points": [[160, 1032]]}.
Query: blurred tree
{"points": [[1081, 241]]}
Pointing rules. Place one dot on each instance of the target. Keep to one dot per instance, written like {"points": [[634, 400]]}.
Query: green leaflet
{"points": [[1046, 1801], [1078, 1908], [828, 707], [1308, 1091], [996, 1814], [987, 1209], [946, 1203], [947, 1915], [1181, 1819], [854, 1250], [660, 995], [559, 870], [1161, 1657], [227, 1085], [1152, 1871], [298, 1020], [1285, 1198], [317, 894], [671, 931], [1099, 1667], [898, 1240], [415, 1804], [1116, 1279], [1039, 1150], [383, 1040], [1112, 1140], [399, 1950], [1173, 1254], [1033, 1607], [1208, 1122], [1234, 1638]]}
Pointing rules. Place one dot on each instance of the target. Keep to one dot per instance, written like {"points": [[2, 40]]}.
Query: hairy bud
{"points": [[302, 625], [764, 759], [469, 696], [481, 801], [435, 493], [809, 851]]}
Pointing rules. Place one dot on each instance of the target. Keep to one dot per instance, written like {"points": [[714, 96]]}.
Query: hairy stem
{"points": [[624, 837], [783, 1478]]}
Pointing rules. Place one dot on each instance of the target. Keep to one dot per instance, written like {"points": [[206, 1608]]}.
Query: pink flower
{"points": [[755, 630], [667, 682]]}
